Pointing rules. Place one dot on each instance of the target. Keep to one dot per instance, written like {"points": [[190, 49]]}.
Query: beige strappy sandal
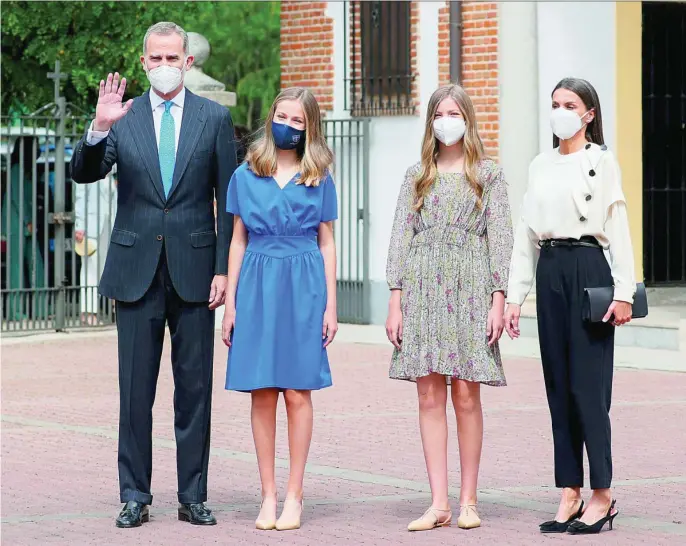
{"points": [[431, 519], [469, 517]]}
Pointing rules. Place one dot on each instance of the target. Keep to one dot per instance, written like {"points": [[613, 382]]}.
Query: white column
{"points": [[341, 28], [577, 39], [519, 104]]}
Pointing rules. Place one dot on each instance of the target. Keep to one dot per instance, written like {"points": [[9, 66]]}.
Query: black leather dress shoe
{"points": [[197, 514], [134, 514]]}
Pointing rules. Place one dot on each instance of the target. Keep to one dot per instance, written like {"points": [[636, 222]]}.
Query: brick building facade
{"points": [[307, 57], [366, 60], [307, 36]]}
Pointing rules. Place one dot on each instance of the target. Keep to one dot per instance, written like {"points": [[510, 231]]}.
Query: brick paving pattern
{"points": [[366, 477]]}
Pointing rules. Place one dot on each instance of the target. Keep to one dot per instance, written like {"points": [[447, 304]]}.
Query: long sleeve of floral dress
{"points": [[498, 231], [403, 232]]}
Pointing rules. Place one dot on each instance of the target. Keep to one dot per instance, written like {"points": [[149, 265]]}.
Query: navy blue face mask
{"points": [[287, 137]]}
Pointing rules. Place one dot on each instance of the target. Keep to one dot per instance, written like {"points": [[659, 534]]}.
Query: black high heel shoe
{"points": [[555, 526], [580, 528]]}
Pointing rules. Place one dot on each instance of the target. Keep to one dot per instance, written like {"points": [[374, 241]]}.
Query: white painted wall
{"points": [[540, 43], [519, 97], [394, 140], [338, 12], [576, 39]]}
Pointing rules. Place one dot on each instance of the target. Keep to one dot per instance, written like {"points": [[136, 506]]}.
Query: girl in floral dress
{"points": [[447, 271]]}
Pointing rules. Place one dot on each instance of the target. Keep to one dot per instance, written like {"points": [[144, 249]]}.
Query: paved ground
{"points": [[366, 476]]}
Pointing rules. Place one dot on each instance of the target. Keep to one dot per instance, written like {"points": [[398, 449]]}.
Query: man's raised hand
{"points": [[110, 107]]}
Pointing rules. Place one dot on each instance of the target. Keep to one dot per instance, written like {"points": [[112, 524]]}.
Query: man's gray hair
{"points": [[165, 29]]}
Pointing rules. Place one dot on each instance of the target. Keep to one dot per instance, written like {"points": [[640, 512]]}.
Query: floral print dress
{"points": [[448, 259]]}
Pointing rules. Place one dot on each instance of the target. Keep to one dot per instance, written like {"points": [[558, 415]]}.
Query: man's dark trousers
{"points": [[141, 329]]}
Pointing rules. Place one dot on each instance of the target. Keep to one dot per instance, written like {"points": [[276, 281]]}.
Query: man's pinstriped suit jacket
{"points": [[182, 224]]}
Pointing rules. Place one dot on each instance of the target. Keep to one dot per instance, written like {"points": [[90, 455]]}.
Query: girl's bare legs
{"points": [[263, 420], [466, 397], [300, 420], [433, 426]]}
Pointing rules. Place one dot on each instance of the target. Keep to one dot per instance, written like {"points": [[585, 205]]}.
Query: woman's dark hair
{"points": [[587, 93]]}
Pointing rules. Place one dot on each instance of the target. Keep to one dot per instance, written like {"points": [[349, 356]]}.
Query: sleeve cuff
{"points": [[95, 137], [516, 298], [395, 285], [624, 293]]}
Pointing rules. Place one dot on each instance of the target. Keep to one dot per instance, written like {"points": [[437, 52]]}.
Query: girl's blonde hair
{"points": [[473, 147], [315, 155]]}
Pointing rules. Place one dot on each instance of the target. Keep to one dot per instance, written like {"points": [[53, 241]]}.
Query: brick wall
{"points": [[444, 44], [479, 63], [480, 67], [307, 55], [307, 49]]}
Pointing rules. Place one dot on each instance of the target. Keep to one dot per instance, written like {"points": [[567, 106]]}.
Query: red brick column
{"points": [[479, 50], [480, 67], [444, 44], [307, 49]]}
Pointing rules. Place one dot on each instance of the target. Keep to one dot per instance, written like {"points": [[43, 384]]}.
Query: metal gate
{"points": [[349, 140], [664, 142], [46, 284]]}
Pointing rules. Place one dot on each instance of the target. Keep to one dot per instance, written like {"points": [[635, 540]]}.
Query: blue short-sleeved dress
{"points": [[281, 295]]}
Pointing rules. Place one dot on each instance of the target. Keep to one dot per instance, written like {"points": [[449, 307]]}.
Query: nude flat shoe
{"points": [[290, 516], [265, 523], [469, 517], [431, 519]]}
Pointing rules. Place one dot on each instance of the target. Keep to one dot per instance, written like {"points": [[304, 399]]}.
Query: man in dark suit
{"points": [[166, 264]]}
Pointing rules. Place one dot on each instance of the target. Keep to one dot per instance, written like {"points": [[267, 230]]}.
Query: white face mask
{"points": [[449, 130], [565, 123], [166, 78]]}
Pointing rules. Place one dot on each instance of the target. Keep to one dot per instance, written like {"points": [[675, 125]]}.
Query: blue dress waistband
{"points": [[282, 246]]}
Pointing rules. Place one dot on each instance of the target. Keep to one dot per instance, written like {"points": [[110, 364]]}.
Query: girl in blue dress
{"points": [[281, 294]]}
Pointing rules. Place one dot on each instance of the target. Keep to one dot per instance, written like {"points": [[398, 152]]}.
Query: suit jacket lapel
{"points": [[192, 124], [143, 130]]}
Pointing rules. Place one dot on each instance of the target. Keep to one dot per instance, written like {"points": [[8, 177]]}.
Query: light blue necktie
{"points": [[167, 147]]}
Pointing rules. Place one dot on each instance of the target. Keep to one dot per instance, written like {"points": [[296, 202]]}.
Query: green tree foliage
{"points": [[94, 38]]}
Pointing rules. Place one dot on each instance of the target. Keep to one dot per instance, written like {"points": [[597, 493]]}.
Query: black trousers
{"points": [[141, 327], [577, 363]]}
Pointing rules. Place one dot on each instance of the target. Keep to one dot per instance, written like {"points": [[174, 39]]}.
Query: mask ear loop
{"points": [[586, 124]]}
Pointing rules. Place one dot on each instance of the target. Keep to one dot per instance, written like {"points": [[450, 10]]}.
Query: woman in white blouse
{"points": [[574, 208]]}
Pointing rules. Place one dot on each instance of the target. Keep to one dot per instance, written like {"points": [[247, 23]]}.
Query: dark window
{"points": [[380, 58], [664, 142]]}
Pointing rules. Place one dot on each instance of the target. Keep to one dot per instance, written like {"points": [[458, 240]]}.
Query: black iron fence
{"points": [[54, 232], [349, 140]]}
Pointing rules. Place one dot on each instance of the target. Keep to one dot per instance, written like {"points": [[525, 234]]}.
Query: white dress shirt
{"points": [[157, 104], [569, 197]]}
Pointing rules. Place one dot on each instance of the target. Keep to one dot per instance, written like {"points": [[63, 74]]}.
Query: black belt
{"points": [[589, 242]]}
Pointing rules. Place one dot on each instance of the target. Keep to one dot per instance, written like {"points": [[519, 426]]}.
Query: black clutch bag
{"points": [[597, 301]]}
